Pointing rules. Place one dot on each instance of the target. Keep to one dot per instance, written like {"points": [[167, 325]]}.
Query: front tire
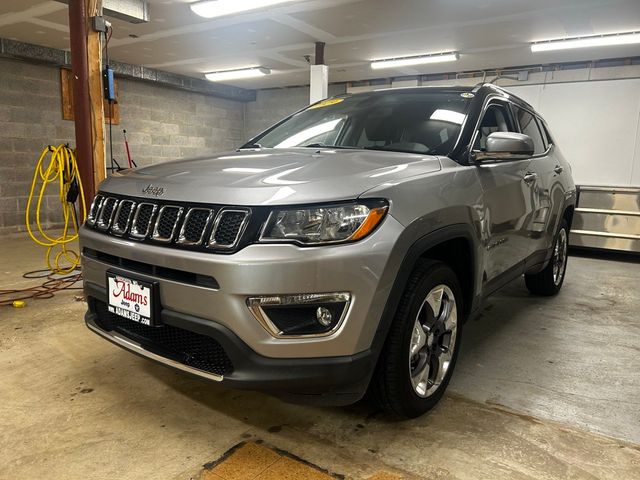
{"points": [[549, 281], [421, 349]]}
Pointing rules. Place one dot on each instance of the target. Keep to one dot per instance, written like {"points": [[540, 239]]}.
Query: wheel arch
{"points": [[455, 245], [567, 214]]}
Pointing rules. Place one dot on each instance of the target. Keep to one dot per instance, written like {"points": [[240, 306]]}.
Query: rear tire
{"points": [[421, 349], [549, 281]]}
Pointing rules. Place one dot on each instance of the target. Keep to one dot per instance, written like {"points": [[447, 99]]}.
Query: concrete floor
{"points": [[545, 388]]}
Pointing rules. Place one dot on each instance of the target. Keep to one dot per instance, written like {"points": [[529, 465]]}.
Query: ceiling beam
{"points": [[62, 58], [132, 11]]}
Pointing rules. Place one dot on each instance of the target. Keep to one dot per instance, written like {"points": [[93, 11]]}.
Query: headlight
{"points": [[324, 224]]}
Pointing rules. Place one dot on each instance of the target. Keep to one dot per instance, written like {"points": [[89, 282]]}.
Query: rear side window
{"points": [[545, 132], [529, 126]]}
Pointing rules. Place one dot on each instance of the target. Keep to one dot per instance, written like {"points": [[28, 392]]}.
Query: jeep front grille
{"points": [[166, 223], [92, 217], [123, 217], [228, 227], [195, 225], [105, 217], [190, 226], [141, 225]]}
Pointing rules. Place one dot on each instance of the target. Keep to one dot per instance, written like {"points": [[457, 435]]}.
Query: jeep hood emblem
{"points": [[153, 190]]}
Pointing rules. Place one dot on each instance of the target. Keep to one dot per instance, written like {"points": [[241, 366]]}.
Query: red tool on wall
{"points": [[132, 163]]}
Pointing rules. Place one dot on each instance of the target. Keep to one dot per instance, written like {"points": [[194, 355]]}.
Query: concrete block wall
{"points": [[162, 123], [165, 124], [30, 119]]}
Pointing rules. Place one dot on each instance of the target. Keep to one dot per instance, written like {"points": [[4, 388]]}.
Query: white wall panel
{"points": [[596, 126]]}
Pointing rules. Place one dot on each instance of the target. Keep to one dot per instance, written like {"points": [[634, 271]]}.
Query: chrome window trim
{"points": [[255, 305], [134, 232], [114, 229], [156, 234], [181, 237], [247, 215], [92, 217], [102, 225]]}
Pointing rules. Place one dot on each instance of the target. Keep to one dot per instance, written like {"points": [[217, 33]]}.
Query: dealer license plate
{"points": [[130, 298]]}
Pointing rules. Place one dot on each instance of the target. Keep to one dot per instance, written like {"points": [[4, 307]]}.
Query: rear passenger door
{"points": [[546, 188], [507, 204]]}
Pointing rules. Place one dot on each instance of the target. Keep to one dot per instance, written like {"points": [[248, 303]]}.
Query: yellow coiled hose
{"points": [[57, 165]]}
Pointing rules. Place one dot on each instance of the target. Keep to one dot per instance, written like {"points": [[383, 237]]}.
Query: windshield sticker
{"points": [[467, 95], [326, 103]]}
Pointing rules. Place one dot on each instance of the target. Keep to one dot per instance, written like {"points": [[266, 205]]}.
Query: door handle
{"points": [[558, 169], [530, 177]]}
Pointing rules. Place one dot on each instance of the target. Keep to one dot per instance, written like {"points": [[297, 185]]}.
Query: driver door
{"points": [[507, 202]]}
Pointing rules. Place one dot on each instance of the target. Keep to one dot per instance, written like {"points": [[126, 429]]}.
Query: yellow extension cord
{"points": [[61, 169]]}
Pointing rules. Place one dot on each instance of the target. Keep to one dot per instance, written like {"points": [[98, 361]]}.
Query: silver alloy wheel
{"points": [[433, 340], [560, 257]]}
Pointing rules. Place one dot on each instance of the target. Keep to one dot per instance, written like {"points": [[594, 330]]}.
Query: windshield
{"points": [[413, 122]]}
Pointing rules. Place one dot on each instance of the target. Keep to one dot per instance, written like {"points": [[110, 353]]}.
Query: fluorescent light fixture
{"points": [[240, 73], [221, 8], [410, 61], [585, 42], [448, 116]]}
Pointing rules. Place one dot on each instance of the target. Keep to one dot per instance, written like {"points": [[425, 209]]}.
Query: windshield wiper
{"points": [[400, 150], [322, 145]]}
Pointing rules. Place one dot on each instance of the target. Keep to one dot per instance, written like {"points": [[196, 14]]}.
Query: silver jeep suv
{"points": [[341, 250]]}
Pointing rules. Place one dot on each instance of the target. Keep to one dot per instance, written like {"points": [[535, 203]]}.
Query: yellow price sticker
{"points": [[326, 103]]}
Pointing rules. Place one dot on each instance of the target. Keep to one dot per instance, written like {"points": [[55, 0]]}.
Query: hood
{"points": [[271, 177]]}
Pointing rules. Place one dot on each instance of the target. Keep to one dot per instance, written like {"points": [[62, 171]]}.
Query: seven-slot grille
{"points": [[167, 223], [220, 228]]}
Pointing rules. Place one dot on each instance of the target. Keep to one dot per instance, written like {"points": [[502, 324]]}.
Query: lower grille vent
{"points": [[184, 346]]}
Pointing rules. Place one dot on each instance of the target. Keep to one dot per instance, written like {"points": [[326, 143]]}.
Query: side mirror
{"points": [[506, 146]]}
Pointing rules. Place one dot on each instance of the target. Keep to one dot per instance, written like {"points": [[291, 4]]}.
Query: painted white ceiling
{"points": [[487, 33]]}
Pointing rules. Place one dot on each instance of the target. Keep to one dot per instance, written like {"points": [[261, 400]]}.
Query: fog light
{"points": [[304, 315], [324, 317]]}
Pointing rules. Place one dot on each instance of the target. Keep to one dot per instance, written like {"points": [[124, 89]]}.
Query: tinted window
{"points": [[545, 132], [528, 126], [416, 122], [495, 119]]}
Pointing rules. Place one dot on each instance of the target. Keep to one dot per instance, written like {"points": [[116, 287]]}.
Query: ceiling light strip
{"points": [[412, 61], [586, 42], [237, 74], [221, 8]]}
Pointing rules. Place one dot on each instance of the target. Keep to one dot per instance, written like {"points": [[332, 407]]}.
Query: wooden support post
{"points": [[86, 63], [96, 95]]}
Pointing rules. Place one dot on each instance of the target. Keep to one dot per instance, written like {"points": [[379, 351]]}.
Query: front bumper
{"points": [[260, 270], [333, 369], [323, 381]]}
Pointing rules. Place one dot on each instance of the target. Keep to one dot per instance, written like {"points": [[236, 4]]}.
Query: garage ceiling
{"points": [[487, 33]]}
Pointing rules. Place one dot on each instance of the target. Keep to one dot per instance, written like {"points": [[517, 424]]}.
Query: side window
{"points": [[545, 132], [495, 119], [528, 126], [545, 142]]}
